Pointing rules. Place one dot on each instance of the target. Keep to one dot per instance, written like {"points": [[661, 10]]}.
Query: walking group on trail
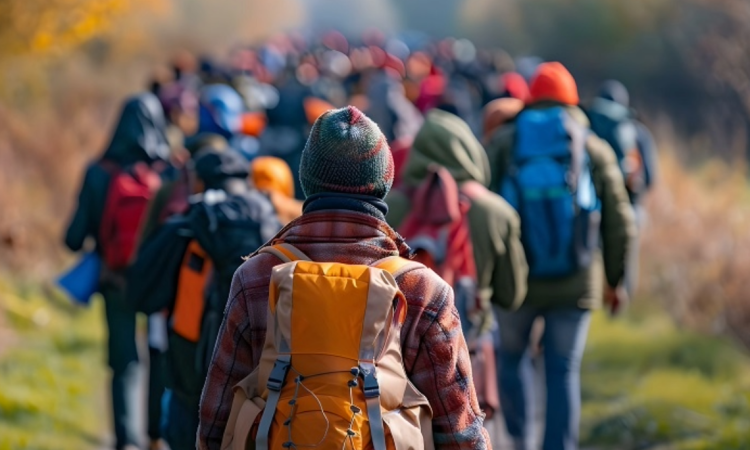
{"points": [[356, 244]]}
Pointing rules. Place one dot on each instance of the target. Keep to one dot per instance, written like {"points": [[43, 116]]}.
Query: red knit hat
{"points": [[552, 81]]}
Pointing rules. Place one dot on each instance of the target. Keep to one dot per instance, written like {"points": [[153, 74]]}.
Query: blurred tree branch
{"points": [[723, 49], [55, 26]]}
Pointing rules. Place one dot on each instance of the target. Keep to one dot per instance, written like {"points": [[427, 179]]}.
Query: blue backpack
{"points": [[550, 185]]}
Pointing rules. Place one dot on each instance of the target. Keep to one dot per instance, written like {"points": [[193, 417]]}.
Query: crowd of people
{"points": [[356, 242]]}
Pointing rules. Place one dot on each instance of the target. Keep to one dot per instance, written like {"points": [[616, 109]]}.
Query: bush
{"points": [[696, 248]]}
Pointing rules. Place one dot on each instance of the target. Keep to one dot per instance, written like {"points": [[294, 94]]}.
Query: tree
{"points": [[40, 27]]}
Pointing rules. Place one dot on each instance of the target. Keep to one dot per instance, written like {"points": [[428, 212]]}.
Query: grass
{"points": [[648, 385], [52, 376]]}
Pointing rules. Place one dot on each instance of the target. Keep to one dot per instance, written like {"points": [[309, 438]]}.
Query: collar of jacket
{"points": [[364, 204], [321, 226]]}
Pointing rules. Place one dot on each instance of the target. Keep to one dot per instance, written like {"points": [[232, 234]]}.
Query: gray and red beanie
{"points": [[346, 153]]}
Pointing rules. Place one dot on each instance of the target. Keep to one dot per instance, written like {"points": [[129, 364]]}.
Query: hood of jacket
{"points": [[141, 132], [611, 109], [615, 91], [447, 141]]}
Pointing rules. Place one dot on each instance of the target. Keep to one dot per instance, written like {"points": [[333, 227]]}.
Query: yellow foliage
{"points": [[39, 27]]}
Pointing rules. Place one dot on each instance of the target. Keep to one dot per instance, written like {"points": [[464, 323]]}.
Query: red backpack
{"points": [[437, 229], [128, 196]]}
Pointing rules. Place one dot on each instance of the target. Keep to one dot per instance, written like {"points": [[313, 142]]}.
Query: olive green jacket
{"points": [[494, 225], [585, 288]]}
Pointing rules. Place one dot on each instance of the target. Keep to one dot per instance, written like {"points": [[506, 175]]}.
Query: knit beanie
{"points": [[346, 153], [553, 82]]}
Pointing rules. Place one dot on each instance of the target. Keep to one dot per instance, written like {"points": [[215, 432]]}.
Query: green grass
{"points": [[647, 385], [52, 376]]}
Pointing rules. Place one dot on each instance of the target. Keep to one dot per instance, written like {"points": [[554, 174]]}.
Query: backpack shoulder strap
{"points": [[578, 138], [396, 265], [285, 252]]}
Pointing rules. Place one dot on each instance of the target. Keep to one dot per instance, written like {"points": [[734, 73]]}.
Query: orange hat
{"points": [[253, 123], [552, 81], [272, 174], [315, 107]]}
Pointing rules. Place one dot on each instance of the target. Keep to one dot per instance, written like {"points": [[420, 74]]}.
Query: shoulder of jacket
{"points": [[256, 270], [504, 136], [600, 152], [422, 285], [579, 115], [495, 208]]}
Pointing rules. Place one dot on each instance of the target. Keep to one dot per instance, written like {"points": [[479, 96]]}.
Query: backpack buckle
{"points": [[278, 375], [371, 386]]}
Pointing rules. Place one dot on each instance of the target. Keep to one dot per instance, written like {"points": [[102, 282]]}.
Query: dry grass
{"points": [[42, 159], [696, 247]]}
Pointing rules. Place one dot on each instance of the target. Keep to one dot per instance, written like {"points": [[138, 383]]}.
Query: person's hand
{"points": [[615, 299]]}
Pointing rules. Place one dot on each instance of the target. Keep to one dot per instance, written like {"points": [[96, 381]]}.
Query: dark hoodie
{"points": [[446, 140], [139, 137]]}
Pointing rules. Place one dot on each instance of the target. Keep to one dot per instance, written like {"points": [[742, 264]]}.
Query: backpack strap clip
{"points": [[371, 386], [278, 374], [275, 383]]}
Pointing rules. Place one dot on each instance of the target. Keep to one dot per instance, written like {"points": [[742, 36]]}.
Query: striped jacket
{"points": [[435, 354]]}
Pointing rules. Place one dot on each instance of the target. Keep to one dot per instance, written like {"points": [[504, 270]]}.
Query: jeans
{"points": [[156, 387], [564, 341], [181, 428], [123, 360]]}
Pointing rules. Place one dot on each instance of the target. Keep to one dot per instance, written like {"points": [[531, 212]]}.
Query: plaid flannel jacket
{"points": [[435, 354]]}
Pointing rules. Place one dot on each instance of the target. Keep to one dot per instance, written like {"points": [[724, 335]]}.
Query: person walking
{"points": [[346, 171], [471, 236], [111, 209], [197, 253], [569, 191], [615, 121]]}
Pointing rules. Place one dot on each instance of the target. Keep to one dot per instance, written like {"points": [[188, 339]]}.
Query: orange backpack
{"points": [[331, 374], [190, 300]]}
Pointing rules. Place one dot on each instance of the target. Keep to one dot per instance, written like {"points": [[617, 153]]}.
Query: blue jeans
{"points": [[181, 425], [564, 340]]}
